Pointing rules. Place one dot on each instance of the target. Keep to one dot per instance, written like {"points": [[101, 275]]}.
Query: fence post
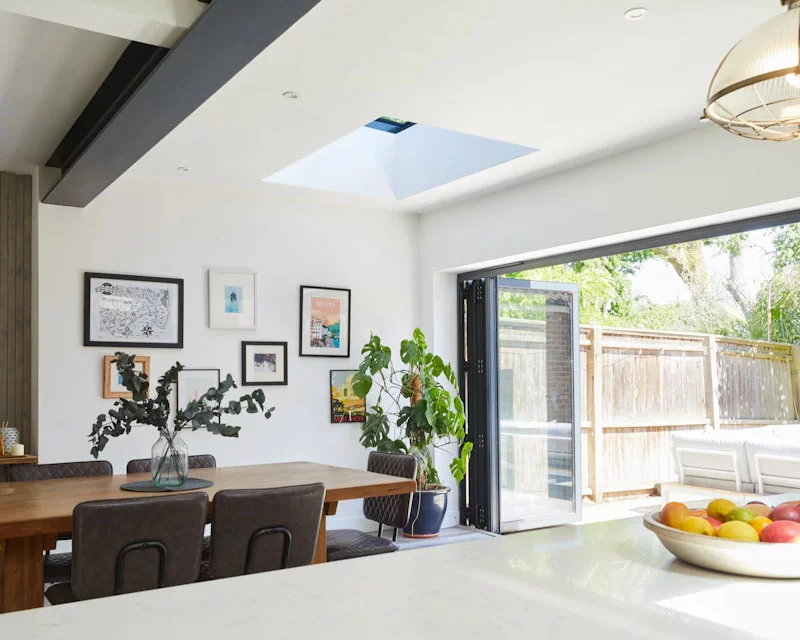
{"points": [[794, 376], [712, 382], [595, 364]]}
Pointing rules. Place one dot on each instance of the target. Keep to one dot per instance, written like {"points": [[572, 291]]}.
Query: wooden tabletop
{"points": [[26, 459], [45, 506]]}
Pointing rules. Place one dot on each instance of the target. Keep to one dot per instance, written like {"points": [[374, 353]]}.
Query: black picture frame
{"points": [[346, 354], [88, 342], [255, 383], [331, 399]]}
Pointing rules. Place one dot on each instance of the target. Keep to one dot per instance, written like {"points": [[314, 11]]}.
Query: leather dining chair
{"points": [[58, 566], [136, 544], [202, 461], [256, 530], [392, 511]]}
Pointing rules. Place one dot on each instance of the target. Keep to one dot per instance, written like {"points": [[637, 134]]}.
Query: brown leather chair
{"points": [[203, 461], [122, 546], [58, 566], [256, 530], [392, 511]]}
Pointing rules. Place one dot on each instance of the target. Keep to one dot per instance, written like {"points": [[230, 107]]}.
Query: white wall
{"points": [[169, 230]]}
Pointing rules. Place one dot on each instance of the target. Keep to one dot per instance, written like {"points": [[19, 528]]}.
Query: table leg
{"points": [[22, 582], [321, 552]]}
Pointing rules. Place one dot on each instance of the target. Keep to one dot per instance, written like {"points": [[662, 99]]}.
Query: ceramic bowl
{"points": [[758, 559]]}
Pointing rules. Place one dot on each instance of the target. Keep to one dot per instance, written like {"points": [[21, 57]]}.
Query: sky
{"points": [[658, 281]]}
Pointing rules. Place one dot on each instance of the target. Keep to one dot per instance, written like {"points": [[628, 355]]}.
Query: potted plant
{"points": [[414, 413], [169, 464]]}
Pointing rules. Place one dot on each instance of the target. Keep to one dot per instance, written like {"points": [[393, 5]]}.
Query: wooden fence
{"points": [[637, 388]]}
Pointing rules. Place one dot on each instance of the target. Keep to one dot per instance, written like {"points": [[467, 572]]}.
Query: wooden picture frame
{"points": [[132, 311], [112, 389], [265, 363], [325, 322]]}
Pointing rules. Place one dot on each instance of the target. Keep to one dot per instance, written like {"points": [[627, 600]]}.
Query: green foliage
{"points": [[204, 413], [776, 314], [415, 412]]}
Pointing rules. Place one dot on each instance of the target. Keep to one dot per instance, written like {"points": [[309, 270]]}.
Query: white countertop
{"points": [[603, 580]]}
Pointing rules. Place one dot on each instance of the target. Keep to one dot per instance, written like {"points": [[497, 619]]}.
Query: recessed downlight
{"points": [[183, 169], [291, 95], [637, 13]]}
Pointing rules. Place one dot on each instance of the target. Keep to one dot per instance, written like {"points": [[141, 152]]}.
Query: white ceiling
{"points": [[48, 73], [570, 77]]}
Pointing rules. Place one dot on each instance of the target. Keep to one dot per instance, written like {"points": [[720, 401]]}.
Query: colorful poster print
{"points": [[324, 322], [346, 406]]}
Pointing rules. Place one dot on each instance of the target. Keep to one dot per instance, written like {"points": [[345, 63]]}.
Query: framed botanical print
{"points": [[193, 383], [231, 300], [346, 406], [324, 322], [264, 363], [112, 380], [132, 311]]}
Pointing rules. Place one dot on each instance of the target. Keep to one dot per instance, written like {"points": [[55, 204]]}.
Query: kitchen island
{"points": [[603, 580]]}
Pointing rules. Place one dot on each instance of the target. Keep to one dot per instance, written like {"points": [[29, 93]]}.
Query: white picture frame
{"points": [[232, 299]]}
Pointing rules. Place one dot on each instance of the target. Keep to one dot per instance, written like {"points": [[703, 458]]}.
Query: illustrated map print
{"points": [[127, 311]]}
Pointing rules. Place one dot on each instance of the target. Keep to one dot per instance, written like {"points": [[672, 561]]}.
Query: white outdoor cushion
{"points": [[720, 441], [786, 431], [777, 460]]}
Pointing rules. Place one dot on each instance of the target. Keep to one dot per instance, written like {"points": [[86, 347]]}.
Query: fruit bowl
{"points": [[758, 559]]}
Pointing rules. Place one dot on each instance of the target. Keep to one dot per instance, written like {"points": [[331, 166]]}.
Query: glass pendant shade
{"points": [[755, 92]]}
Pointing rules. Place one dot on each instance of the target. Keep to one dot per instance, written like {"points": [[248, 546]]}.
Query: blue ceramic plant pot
{"points": [[427, 513]]}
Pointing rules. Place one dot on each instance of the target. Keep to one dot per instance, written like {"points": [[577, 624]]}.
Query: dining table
{"points": [[33, 514]]}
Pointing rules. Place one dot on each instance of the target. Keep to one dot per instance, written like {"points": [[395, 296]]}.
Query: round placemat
{"points": [[148, 486]]}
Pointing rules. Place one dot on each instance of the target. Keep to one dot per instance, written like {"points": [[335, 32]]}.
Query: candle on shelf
{"points": [[17, 449]]}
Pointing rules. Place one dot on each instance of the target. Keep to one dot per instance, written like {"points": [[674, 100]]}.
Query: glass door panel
{"points": [[538, 410]]}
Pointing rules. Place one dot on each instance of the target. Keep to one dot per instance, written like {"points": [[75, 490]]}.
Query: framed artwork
{"points": [[324, 322], [231, 300], [264, 363], [112, 381], [346, 406], [132, 311], [193, 383]]}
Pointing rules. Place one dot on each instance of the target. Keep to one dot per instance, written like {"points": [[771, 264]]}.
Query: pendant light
{"points": [[755, 92]]}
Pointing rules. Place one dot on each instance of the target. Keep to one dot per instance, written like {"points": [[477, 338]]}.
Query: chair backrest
{"points": [[203, 461], [122, 546], [255, 530], [392, 511], [61, 470]]}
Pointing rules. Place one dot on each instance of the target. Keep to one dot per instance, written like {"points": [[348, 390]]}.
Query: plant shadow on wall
{"points": [[414, 413], [169, 464]]}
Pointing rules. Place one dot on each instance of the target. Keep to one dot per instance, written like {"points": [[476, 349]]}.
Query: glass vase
{"points": [[169, 460]]}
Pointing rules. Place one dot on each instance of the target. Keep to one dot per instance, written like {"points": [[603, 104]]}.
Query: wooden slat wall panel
{"points": [[15, 301]]}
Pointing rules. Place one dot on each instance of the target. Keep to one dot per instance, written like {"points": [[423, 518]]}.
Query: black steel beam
{"points": [[223, 41]]}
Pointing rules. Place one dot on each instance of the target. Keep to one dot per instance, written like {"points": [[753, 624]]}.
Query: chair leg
{"points": [[394, 535], [380, 529]]}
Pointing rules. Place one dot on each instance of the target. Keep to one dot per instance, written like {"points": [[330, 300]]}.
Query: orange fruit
{"points": [[759, 522], [673, 513], [737, 530], [695, 524], [720, 508], [700, 513]]}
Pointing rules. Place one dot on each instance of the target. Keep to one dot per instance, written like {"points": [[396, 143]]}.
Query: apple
{"points": [[781, 531], [784, 512], [673, 513], [793, 503], [714, 522]]}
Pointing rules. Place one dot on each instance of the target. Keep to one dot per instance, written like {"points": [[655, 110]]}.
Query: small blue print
{"points": [[233, 300]]}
